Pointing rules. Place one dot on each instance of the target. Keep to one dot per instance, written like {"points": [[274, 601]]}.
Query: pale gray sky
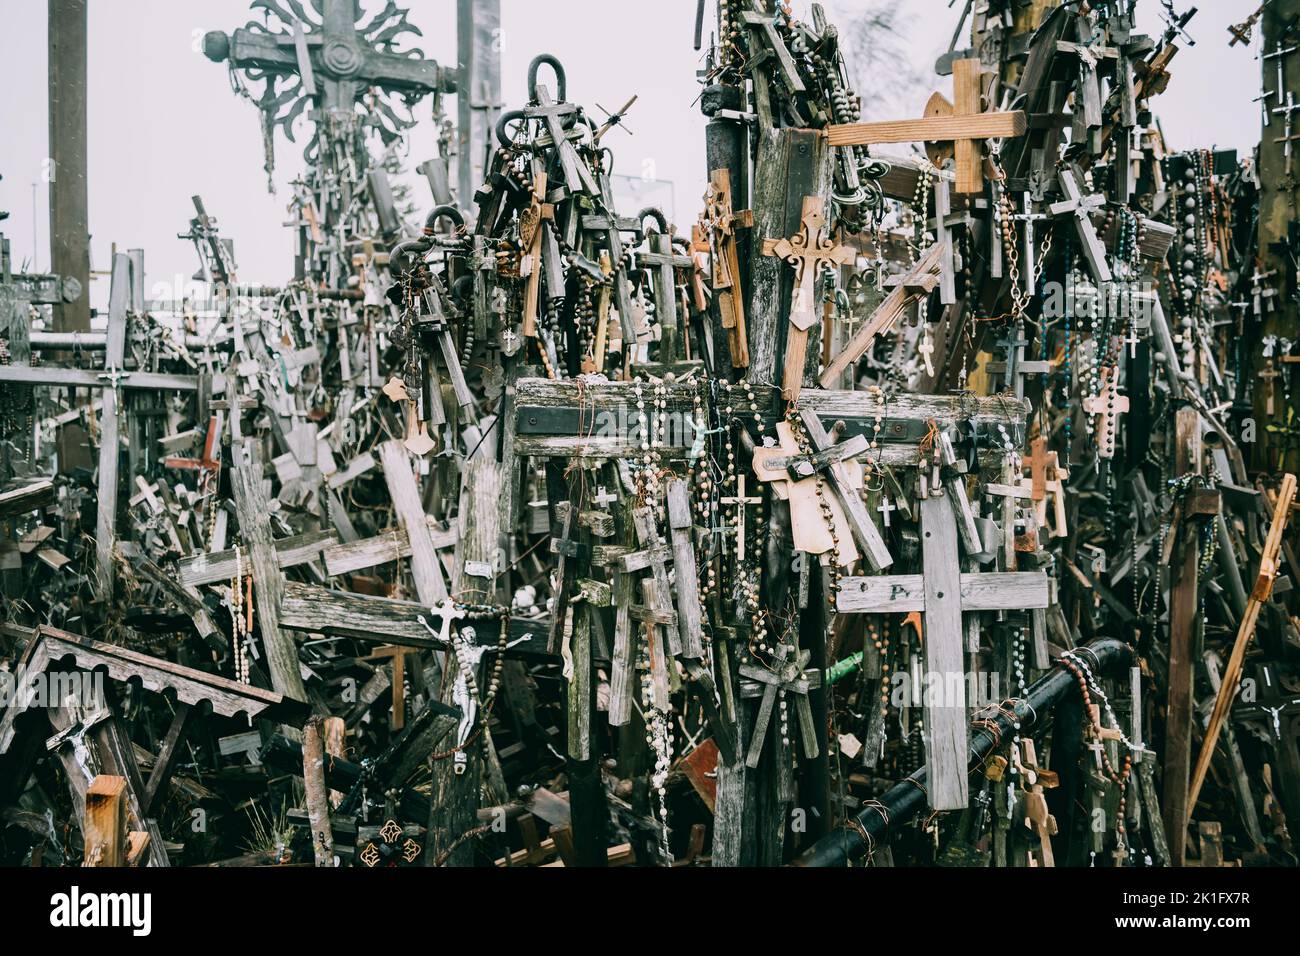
{"points": [[164, 123]]}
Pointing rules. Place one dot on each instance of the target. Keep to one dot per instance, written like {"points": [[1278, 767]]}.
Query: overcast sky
{"points": [[164, 123]]}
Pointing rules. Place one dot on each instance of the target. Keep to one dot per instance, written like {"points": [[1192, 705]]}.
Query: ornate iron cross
{"points": [[331, 58]]}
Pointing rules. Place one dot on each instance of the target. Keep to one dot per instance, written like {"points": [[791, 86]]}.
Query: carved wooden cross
{"points": [[807, 251], [961, 123], [724, 221]]}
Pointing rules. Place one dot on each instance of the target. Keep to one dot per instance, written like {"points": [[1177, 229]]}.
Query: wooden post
{"points": [[334, 731], [1279, 185], [318, 804], [1182, 648], [478, 100], [69, 223], [106, 506], [268, 582], [104, 826]]}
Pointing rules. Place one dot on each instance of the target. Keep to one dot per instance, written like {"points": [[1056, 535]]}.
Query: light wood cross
{"points": [[961, 123], [740, 501], [807, 251]]}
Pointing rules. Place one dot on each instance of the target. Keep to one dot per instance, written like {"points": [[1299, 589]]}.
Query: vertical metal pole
{"points": [[69, 228], [478, 100]]}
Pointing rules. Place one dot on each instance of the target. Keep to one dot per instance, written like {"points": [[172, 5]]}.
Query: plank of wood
{"points": [[219, 566], [980, 591], [425, 570], [165, 762], [30, 497], [255, 526], [864, 529], [945, 722], [1184, 605], [90, 378], [110, 430], [1000, 124], [352, 556], [685, 573], [918, 282], [104, 826], [1245, 631], [306, 607], [966, 102]]}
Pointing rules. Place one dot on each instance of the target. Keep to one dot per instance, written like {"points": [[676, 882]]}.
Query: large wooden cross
{"points": [[942, 594], [963, 127], [808, 251]]}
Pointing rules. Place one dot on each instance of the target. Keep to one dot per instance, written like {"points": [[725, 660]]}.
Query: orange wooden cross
{"points": [[960, 122]]}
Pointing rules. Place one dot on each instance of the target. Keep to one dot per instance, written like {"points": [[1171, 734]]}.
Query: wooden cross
{"points": [[1081, 207], [665, 262], [792, 675], [832, 458], [961, 123], [724, 221], [808, 251], [740, 501], [530, 235], [1287, 109], [912, 286], [110, 381], [209, 463], [1108, 404], [426, 570], [1036, 463], [942, 594], [1269, 376], [577, 177]]}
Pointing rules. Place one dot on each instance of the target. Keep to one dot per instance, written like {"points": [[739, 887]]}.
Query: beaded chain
{"points": [[1076, 666], [241, 613]]}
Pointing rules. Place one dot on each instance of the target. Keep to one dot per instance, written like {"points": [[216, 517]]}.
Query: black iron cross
{"points": [[336, 60]]}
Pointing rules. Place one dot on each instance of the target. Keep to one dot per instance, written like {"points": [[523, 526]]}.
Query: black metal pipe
{"points": [[906, 799]]}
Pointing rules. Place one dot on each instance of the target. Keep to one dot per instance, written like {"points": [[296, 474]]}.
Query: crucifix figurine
{"points": [[808, 251]]}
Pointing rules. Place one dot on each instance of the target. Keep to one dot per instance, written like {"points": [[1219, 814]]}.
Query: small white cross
{"points": [[885, 507]]}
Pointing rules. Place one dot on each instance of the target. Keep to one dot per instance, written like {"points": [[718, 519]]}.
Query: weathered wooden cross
{"points": [[942, 593]]}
